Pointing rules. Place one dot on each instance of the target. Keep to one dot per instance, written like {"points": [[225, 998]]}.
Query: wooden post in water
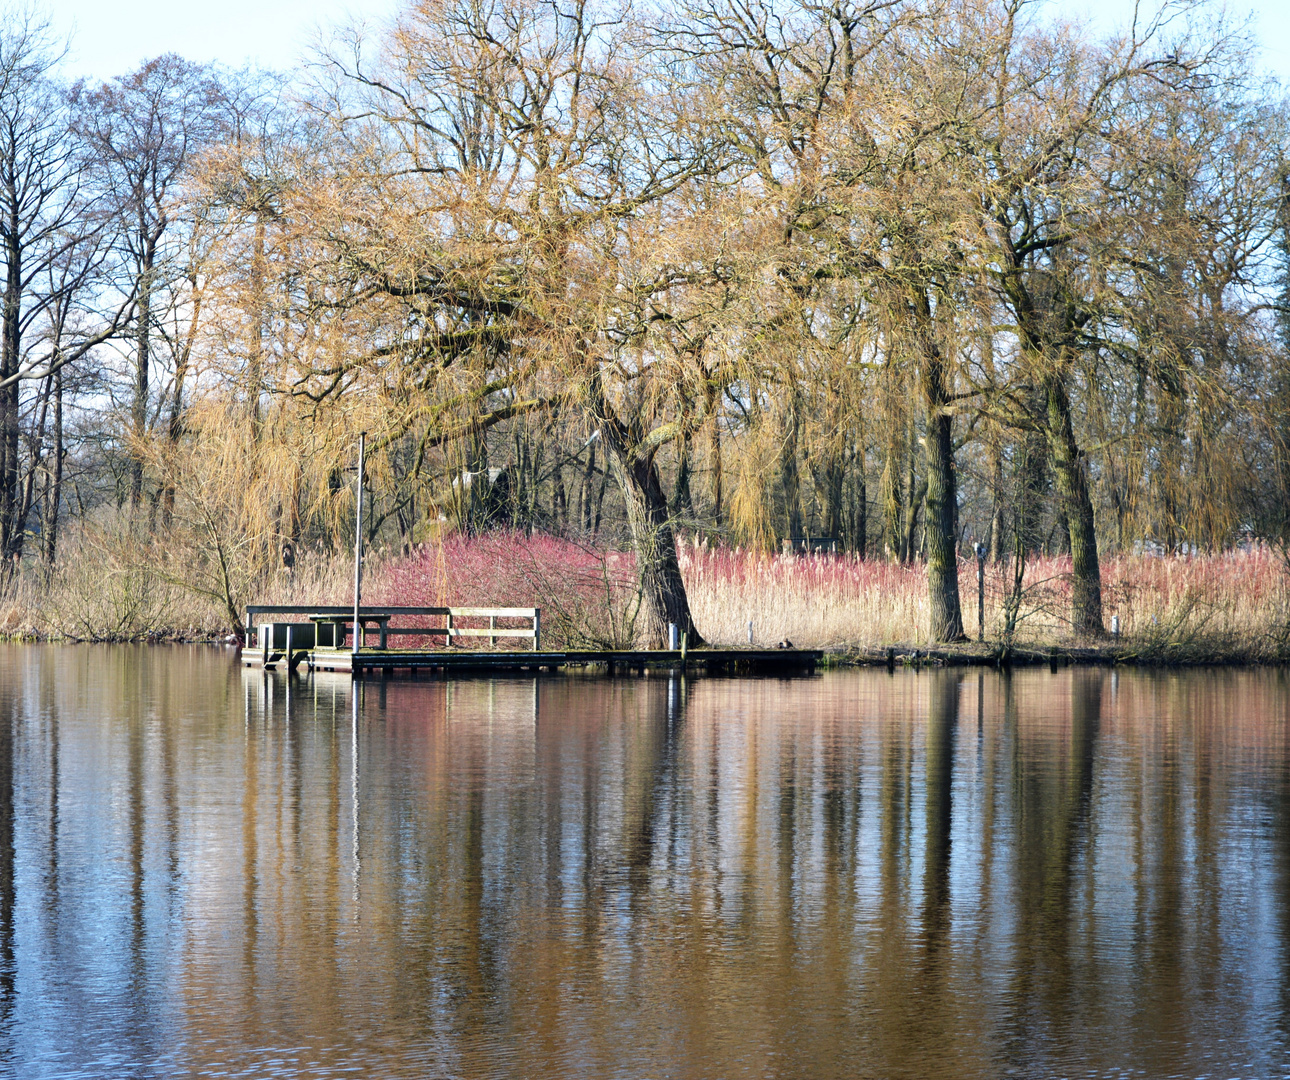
{"points": [[358, 543]]}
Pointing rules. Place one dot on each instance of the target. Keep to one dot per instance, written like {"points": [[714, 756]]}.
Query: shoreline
{"points": [[1163, 655], [994, 654]]}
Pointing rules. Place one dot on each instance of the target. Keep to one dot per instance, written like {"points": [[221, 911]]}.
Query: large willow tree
{"points": [[497, 206]]}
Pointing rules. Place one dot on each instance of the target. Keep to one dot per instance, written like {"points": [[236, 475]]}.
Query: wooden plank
{"points": [[341, 660], [442, 631], [471, 631], [326, 609], [373, 610], [499, 612]]}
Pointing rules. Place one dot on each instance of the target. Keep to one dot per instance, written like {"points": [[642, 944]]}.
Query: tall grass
{"points": [[1236, 600], [1231, 604], [815, 601]]}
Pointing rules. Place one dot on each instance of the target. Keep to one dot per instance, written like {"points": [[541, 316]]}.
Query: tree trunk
{"points": [[835, 475], [474, 484], [531, 467], [559, 499], [790, 483], [941, 527], [860, 528], [1170, 482], [891, 495], [714, 450], [584, 490], [54, 494], [663, 598], [143, 341], [682, 501], [1052, 358], [994, 541], [600, 503], [175, 426], [1072, 488], [915, 493], [36, 443], [259, 306], [10, 353]]}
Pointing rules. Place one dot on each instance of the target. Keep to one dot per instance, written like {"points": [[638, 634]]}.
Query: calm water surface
{"points": [[211, 871]]}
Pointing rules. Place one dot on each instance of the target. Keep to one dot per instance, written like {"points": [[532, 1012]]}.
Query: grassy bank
{"points": [[1233, 607]]}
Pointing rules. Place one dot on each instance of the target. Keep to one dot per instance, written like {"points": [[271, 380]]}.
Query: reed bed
{"points": [[1233, 601], [1233, 605], [815, 601]]}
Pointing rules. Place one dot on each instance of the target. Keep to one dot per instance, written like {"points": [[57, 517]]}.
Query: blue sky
{"points": [[110, 37], [113, 36]]}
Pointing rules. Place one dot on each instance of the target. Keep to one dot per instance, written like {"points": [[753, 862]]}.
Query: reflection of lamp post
{"points": [[979, 548]]}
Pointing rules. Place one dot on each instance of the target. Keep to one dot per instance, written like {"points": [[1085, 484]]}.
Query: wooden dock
{"points": [[326, 643], [615, 662]]}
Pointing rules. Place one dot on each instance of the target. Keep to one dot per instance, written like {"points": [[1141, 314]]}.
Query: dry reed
{"points": [[1235, 604], [1233, 601]]}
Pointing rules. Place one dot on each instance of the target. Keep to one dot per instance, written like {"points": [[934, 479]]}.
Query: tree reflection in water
{"points": [[935, 874]]}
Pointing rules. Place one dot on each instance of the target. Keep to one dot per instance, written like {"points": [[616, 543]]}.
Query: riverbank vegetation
{"points": [[653, 298], [1231, 607]]}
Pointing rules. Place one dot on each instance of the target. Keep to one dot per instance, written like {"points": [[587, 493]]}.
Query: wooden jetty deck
{"points": [[324, 643], [615, 661]]}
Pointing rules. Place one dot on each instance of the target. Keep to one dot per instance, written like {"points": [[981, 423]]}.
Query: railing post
{"points": [[537, 629], [492, 625], [447, 643]]}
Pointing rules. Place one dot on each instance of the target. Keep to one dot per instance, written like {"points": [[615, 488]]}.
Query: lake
{"points": [[206, 870]]}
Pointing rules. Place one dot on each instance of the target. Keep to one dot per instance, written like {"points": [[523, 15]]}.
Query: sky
{"points": [[110, 37]]}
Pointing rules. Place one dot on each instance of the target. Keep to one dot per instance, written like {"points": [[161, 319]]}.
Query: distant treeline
{"points": [[893, 277]]}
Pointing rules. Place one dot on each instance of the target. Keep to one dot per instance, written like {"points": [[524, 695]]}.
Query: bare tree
{"points": [[52, 235], [142, 131]]}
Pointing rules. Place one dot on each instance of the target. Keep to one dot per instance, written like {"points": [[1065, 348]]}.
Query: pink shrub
{"points": [[585, 595]]}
